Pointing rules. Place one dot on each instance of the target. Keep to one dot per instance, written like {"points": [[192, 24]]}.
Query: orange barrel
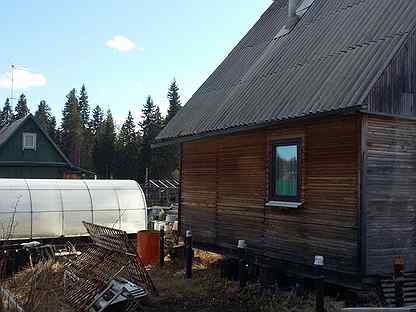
{"points": [[148, 244]]}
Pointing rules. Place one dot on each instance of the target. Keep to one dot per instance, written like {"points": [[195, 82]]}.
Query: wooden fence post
{"points": [[188, 254], [320, 284], [162, 245], [242, 263]]}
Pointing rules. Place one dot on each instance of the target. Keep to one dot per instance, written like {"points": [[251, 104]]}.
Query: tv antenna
{"points": [[12, 67]]}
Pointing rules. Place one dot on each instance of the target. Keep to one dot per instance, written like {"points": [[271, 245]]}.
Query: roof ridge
{"points": [[331, 54], [336, 11], [331, 13]]}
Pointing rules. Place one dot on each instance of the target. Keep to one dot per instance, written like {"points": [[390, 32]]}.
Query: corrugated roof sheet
{"points": [[326, 63]]}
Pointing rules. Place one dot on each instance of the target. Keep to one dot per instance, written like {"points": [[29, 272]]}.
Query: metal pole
{"points": [[12, 86], [147, 185], [320, 284], [188, 254], [243, 265], [162, 245]]}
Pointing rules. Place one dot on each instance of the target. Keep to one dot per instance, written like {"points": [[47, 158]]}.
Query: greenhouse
{"points": [[55, 208]]}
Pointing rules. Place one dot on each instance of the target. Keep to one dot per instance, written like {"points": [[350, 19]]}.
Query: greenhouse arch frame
{"points": [[41, 208]]}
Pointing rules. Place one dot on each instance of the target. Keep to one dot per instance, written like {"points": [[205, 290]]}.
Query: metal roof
{"points": [[327, 63], [171, 183], [7, 131]]}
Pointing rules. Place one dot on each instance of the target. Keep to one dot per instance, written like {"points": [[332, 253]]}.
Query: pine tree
{"points": [[174, 101], [84, 107], [21, 108], [127, 150], [71, 128], [6, 115], [104, 150]]}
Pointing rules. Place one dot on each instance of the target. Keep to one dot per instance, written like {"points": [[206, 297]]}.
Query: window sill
{"points": [[284, 204]]}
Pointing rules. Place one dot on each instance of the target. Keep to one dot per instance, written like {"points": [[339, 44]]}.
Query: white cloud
{"points": [[23, 79], [122, 44]]}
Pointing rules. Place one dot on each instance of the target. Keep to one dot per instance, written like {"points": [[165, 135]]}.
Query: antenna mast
{"points": [[12, 85]]}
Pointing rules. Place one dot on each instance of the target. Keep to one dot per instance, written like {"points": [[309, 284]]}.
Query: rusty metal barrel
{"points": [[148, 246]]}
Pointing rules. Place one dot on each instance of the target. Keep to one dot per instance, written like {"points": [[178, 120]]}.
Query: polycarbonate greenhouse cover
{"points": [[54, 208]]}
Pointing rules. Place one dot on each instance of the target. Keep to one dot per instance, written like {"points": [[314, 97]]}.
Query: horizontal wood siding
{"points": [[327, 224], [241, 190], [225, 189], [391, 193], [198, 193]]}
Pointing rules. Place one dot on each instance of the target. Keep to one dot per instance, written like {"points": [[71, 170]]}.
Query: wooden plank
{"points": [[391, 181]]}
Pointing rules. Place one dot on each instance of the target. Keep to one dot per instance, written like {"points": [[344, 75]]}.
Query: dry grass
{"points": [[39, 288], [208, 292]]}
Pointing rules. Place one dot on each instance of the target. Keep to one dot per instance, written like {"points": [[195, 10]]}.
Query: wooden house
{"points": [[27, 151], [303, 141]]}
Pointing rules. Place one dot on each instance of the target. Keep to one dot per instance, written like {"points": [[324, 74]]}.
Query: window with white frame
{"points": [[29, 141]]}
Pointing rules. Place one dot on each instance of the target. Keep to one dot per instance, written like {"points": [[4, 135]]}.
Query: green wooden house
{"points": [[27, 151]]}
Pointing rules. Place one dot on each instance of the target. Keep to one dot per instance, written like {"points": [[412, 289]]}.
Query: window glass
{"points": [[286, 183], [29, 140]]}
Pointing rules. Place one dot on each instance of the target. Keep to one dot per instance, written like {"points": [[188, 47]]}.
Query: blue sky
{"points": [[62, 44]]}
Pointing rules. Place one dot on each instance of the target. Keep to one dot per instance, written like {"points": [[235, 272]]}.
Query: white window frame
{"points": [[26, 147]]}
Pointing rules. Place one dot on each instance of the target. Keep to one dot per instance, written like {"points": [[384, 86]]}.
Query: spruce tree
{"points": [[53, 131], [6, 114], [159, 164], [71, 128], [147, 131], [171, 153], [87, 134], [127, 150], [46, 120], [174, 101], [43, 114], [21, 108], [150, 126], [104, 150], [84, 107], [97, 119]]}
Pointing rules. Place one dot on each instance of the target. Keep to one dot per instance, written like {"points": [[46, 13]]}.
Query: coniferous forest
{"points": [[89, 138]]}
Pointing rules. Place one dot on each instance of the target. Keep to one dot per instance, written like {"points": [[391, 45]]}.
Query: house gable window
{"points": [[29, 141], [285, 177]]}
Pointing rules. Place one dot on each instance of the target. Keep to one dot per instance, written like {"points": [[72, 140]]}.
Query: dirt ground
{"points": [[207, 291], [41, 290]]}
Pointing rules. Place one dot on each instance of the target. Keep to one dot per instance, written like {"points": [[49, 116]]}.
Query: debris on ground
{"points": [[207, 291], [110, 261]]}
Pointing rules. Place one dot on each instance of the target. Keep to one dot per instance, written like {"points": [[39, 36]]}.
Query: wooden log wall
{"points": [[225, 189], [391, 184]]}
